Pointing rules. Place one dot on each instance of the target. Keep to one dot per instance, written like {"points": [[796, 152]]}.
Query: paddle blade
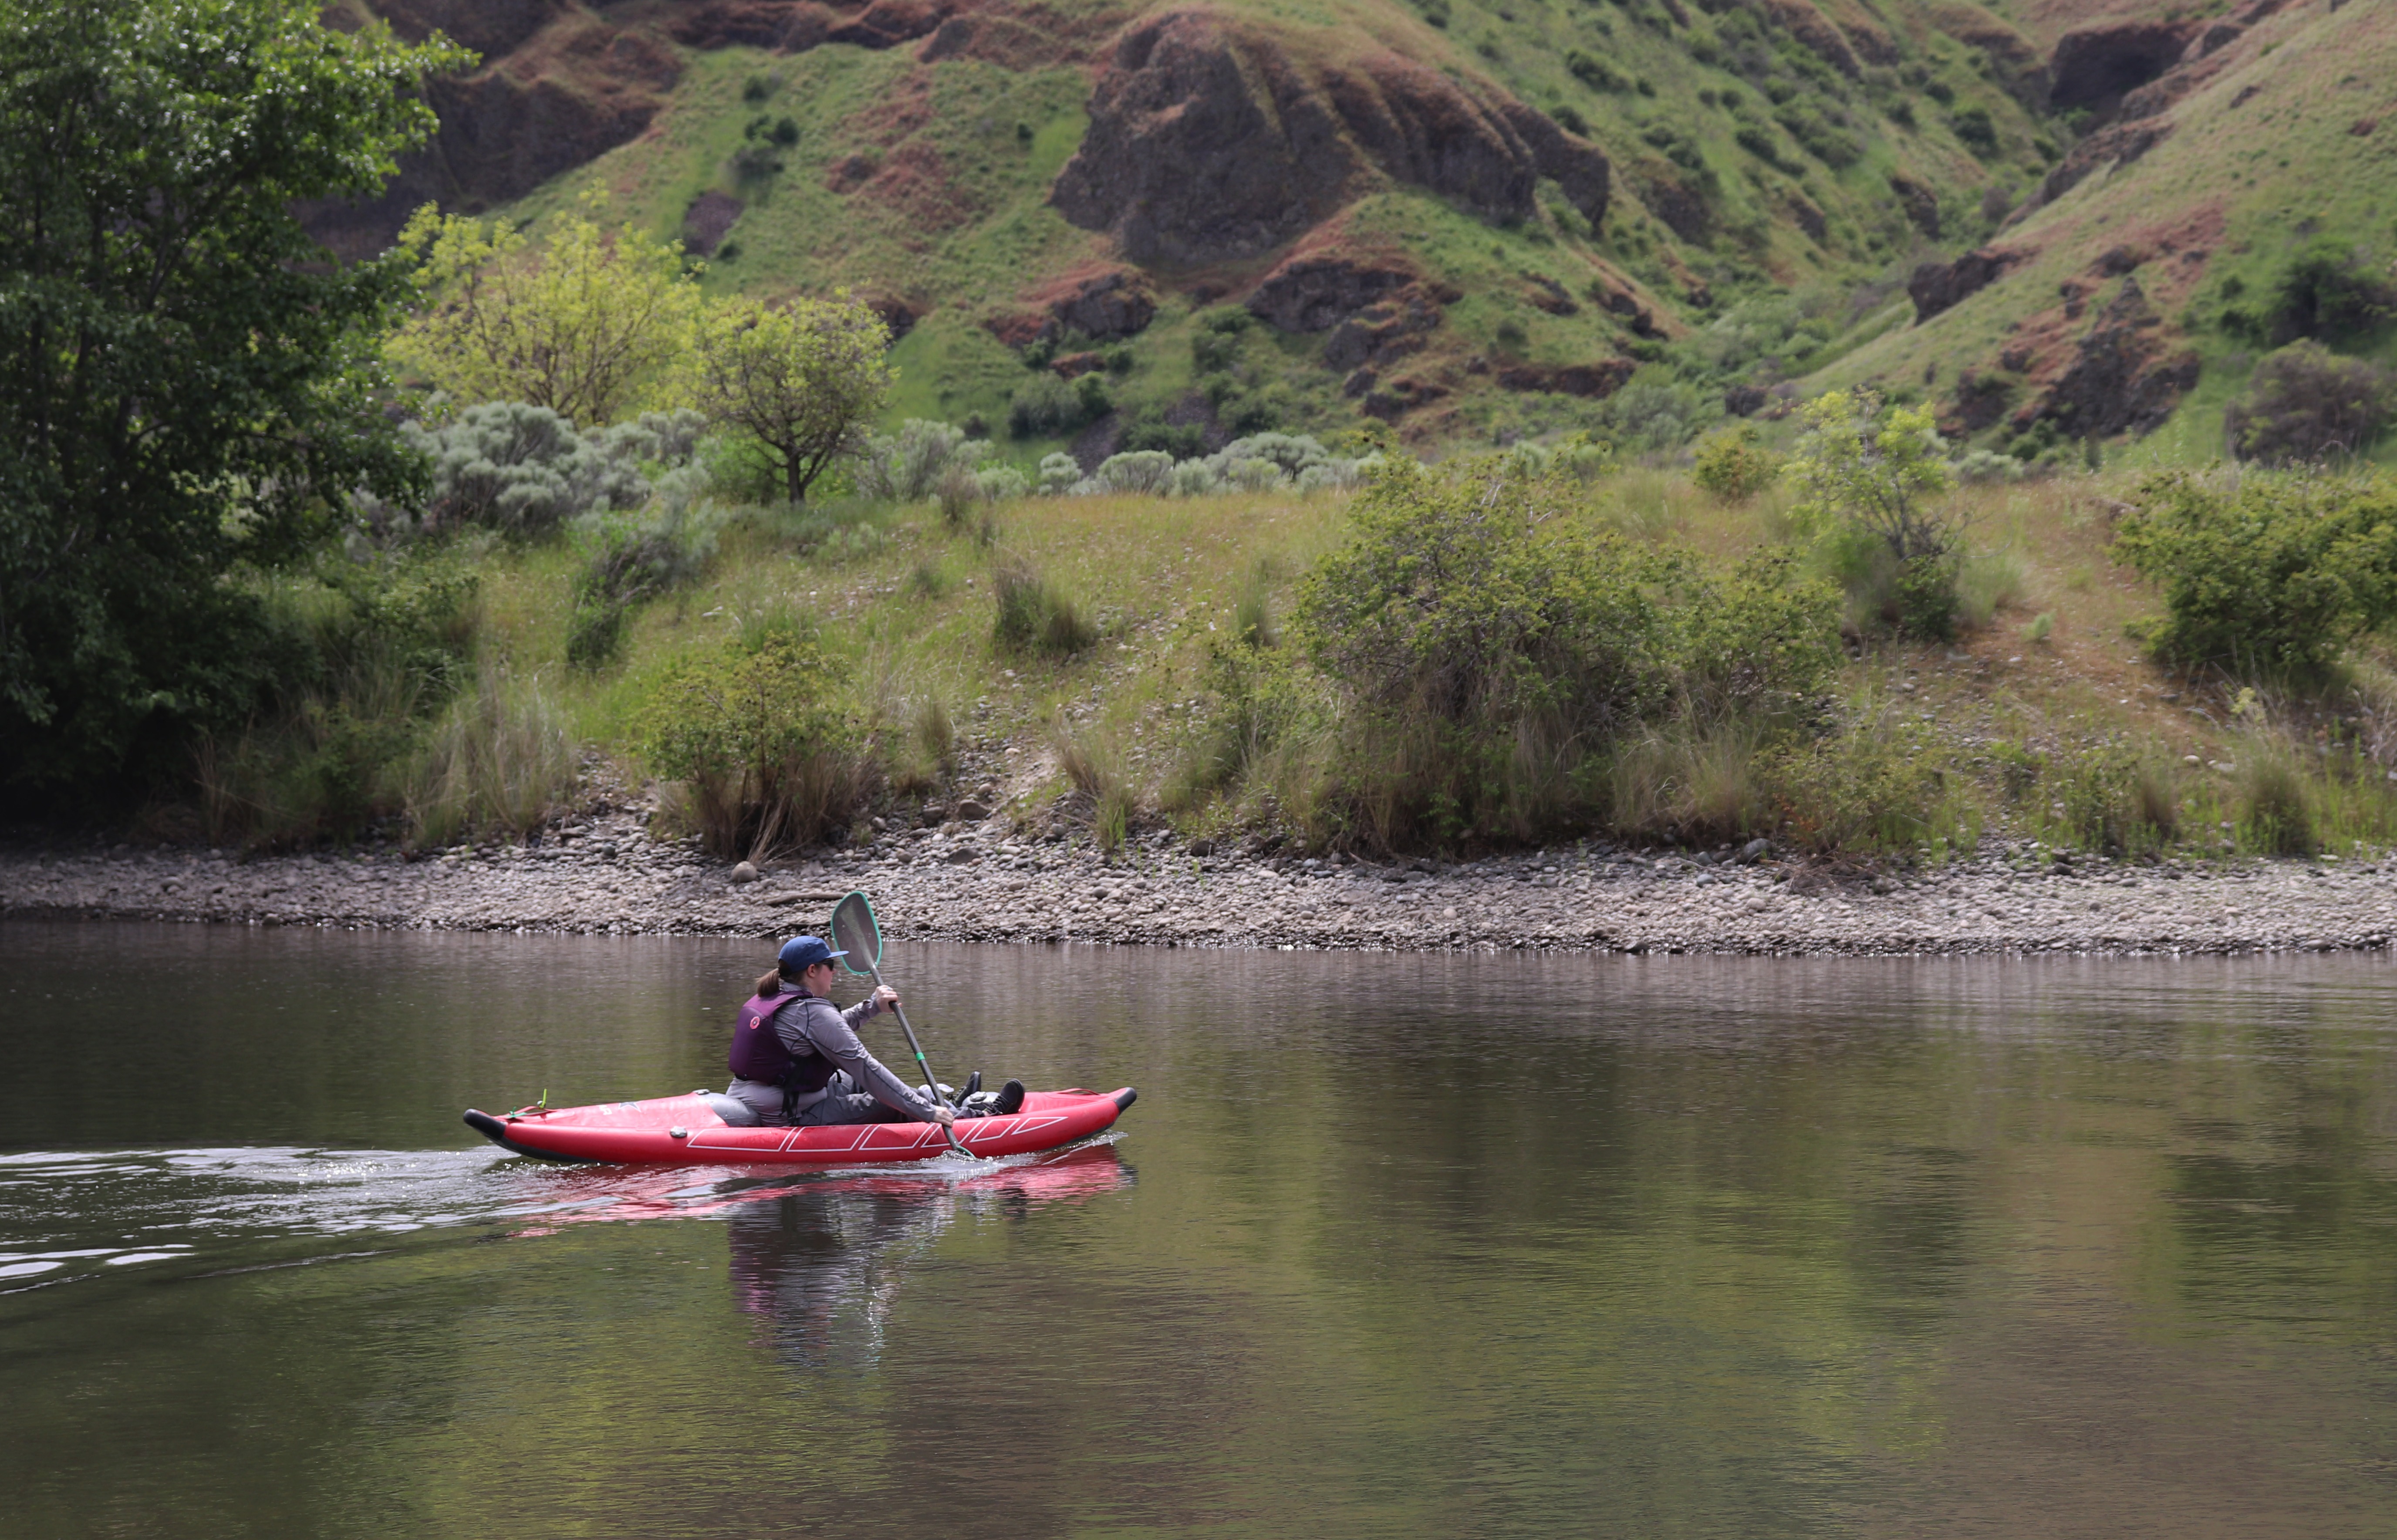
{"points": [[853, 931]]}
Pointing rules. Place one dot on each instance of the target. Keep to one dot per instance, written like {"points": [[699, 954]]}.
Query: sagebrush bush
{"points": [[524, 470], [912, 465], [2269, 575], [2308, 403]]}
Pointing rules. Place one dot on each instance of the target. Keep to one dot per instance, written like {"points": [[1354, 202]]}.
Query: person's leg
{"points": [[847, 1106]]}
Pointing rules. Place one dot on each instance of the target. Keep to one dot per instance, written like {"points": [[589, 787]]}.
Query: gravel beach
{"points": [[979, 882]]}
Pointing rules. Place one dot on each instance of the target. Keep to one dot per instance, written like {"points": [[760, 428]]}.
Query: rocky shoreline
{"points": [[983, 882]]}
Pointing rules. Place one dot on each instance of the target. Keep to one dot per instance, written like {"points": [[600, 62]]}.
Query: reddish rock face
{"points": [[1603, 377], [1209, 140], [708, 219], [556, 88]]}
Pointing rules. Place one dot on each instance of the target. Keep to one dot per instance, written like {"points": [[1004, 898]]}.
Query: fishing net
{"points": [[853, 931]]}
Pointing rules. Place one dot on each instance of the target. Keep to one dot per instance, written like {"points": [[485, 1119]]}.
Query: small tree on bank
{"points": [[801, 381], [1869, 478]]}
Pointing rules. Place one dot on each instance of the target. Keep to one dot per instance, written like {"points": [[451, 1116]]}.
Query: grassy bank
{"points": [[1101, 707]]}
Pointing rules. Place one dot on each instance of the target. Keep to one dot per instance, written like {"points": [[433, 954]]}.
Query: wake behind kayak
{"points": [[687, 1131]]}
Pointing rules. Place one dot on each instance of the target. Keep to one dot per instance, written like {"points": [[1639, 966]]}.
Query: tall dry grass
{"points": [[498, 762]]}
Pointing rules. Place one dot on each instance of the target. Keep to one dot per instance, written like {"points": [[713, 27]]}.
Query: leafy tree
{"points": [[801, 381], [187, 379], [590, 326], [2276, 575]]}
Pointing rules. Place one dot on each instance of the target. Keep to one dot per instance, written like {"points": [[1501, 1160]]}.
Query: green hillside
{"points": [[1471, 219]]}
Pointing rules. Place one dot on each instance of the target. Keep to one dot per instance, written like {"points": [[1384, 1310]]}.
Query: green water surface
{"points": [[1451, 1246]]}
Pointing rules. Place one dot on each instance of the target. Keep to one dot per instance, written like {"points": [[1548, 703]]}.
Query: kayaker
{"points": [[797, 1060]]}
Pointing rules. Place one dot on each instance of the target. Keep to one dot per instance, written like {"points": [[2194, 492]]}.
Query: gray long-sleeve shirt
{"points": [[815, 1025]]}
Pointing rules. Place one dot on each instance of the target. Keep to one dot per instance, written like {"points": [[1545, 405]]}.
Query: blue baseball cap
{"points": [[801, 953]]}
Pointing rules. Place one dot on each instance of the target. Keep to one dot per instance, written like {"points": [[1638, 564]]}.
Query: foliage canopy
{"points": [[187, 381], [802, 381], [591, 325]]}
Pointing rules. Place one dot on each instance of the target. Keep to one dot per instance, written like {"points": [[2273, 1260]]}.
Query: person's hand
{"points": [[945, 1117], [885, 998]]}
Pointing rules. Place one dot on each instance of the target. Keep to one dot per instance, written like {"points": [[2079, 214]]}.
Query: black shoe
{"points": [[973, 1083], [1010, 1099]]}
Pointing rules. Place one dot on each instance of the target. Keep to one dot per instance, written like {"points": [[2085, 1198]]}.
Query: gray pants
{"points": [[847, 1106], [841, 1102]]}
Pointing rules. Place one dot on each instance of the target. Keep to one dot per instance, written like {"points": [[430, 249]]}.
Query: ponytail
{"points": [[769, 981]]}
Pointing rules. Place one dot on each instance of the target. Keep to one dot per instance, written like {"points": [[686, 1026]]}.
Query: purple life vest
{"points": [[760, 1055]]}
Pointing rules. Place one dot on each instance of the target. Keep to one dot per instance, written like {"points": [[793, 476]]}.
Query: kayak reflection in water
{"points": [[822, 1270], [822, 1266], [797, 1060]]}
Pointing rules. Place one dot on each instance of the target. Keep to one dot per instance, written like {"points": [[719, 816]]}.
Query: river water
{"points": [[1472, 1246]]}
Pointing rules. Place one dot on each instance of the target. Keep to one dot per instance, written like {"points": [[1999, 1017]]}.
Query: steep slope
{"points": [[2137, 284], [1458, 217]]}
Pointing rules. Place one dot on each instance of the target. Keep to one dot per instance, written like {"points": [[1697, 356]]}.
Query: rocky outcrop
{"points": [[1316, 292], [2096, 67], [1210, 140], [558, 88], [1921, 204], [1115, 302], [1589, 381], [1937, 286], [2125, 376], [1381, 334], [2013, 60], [2117, 144], [793, 26]]}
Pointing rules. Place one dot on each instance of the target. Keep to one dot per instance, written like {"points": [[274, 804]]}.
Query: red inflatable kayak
{"points": [[685, 1130]]}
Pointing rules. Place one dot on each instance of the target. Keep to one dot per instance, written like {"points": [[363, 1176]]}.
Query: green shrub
{"points": [[1877, 786], [1486, 649], [1976, 131], [761, 739], [2272, 575], [2276, 813], [1869, 478], [2308, 403], [1734, 465], [2114, 798], [1045, 406], [2328, 291]]}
